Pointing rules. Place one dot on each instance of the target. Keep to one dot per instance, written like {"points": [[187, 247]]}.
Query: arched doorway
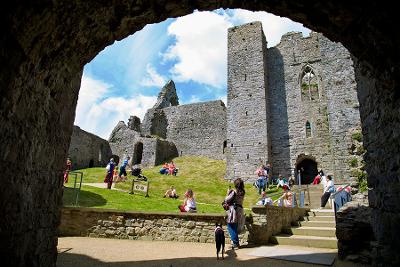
{"points": [[308, 169], [138, 153], [55, 100]]}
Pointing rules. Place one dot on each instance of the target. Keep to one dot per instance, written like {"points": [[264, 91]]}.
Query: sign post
{"points": [[140, 187]]}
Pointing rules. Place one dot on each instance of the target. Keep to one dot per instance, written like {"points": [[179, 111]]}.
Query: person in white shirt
{"points": [[329, 188]]}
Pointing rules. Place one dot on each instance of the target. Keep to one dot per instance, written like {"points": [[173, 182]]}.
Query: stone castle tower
{"points": [[293, 105], [248, 140]]}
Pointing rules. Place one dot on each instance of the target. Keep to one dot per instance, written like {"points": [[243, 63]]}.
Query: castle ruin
{"points": [[293, 106]]}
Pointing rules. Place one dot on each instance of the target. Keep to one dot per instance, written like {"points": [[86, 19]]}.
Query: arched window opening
{"points": [[308, 129], [309, 85], [138, 153]]}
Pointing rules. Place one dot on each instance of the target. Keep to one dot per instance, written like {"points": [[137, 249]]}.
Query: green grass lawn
{"points": [[204, 176]]}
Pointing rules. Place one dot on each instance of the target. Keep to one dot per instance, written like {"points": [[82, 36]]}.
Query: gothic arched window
{"points": [[308, 129], [309, 84]]}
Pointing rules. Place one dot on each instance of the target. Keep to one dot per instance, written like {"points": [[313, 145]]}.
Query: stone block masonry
{"points": [[247, 113], [261, 224], [88, 150]]}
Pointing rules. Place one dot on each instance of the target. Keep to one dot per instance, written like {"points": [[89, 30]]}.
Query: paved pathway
{"points": [[84, 251]]}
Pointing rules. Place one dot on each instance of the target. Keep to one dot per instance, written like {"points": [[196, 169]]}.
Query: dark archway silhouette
{"points": [[138, 153], [308, 170], [91, 163], [45, 45]]}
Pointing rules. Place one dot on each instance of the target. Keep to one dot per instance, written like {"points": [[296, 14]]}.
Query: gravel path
{"points": [[84, 251]]}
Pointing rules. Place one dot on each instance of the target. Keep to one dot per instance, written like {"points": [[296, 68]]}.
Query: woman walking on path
{"points": [[235, 212], [109, 176]]}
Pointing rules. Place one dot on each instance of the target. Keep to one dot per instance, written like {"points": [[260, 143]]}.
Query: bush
{"points": [[360, 150], [357, 136], [362, 181], [354, 162]]}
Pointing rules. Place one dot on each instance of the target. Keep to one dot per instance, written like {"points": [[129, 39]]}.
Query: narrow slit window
{"points": [[308, 129]]}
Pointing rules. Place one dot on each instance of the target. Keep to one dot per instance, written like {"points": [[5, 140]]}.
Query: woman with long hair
{"points": [[235, 217]]}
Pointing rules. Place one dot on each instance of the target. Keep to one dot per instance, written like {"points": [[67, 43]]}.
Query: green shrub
{"points": [[354, 162], [362, 181], [357, 136], [360, 150]]}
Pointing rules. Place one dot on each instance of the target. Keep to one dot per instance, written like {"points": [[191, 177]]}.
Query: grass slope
{"points": [[204, 176]]}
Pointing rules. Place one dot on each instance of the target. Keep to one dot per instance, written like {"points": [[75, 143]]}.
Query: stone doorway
{"points": [[138, 153], [308, 169]]}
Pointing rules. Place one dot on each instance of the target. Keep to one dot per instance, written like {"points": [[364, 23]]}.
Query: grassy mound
{"points": [[204, 176]]}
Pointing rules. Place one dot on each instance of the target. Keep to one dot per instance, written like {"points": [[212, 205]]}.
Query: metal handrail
{"points": [[77, 192]]}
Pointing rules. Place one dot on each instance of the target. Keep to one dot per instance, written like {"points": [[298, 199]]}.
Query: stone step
{"points": [[322, 212], [315, 224], [324, 218], [311, 231], [305, 241]]}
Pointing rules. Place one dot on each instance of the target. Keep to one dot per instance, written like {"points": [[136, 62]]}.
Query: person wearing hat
{"points": [[109, 176]]}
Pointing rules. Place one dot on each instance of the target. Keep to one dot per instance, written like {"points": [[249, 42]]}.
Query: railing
{"points": [[297, 198], [77, 189], [339, 198]]}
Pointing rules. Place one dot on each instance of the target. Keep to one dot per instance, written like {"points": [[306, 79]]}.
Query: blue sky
{"points": [[125, 78]]}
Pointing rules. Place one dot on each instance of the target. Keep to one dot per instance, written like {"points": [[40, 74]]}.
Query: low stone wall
{"points": [[182, 227], [270, 220]]}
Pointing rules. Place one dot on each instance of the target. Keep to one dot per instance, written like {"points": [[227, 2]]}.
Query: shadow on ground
{"points": [[85, 198]]}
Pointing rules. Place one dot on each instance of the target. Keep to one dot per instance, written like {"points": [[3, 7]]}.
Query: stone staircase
{"points": [[316, 230]]}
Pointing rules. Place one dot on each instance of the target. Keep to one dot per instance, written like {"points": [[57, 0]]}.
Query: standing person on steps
{"points": [[235, 212], [328, 190]]}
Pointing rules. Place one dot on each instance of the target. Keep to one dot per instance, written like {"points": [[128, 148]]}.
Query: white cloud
{"points": [[273, 26], [193, 99], [99, 115], [200, 51], [200, 48], [153, 78]]}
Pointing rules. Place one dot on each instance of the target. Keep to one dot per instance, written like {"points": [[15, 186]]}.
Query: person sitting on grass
{"points": [[189, 204], [164, 169], [287, 197], [171, 168], [171, 193], [264, 201], [281, 181]]}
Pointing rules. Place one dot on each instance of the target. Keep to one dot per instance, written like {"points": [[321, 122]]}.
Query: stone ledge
{"points": [[144, 213]]}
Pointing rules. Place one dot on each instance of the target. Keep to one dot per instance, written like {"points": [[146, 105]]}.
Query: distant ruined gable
{"points": [[167, 96]]}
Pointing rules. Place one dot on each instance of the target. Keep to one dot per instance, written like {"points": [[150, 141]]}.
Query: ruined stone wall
{"points": [[149, 151], [247, 113], [46, 44], [343, 107], [198, 129], [88, 150], [332, 110], [122, 140]]}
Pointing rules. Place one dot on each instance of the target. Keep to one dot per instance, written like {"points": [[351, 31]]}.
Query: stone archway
{"points": [[308, 168], [45, 45], [137, 153]]}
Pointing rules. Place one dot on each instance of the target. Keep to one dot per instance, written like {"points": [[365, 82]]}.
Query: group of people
{"points": [[169, 168], [285, 200], [234, 208], [112, 173]]}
